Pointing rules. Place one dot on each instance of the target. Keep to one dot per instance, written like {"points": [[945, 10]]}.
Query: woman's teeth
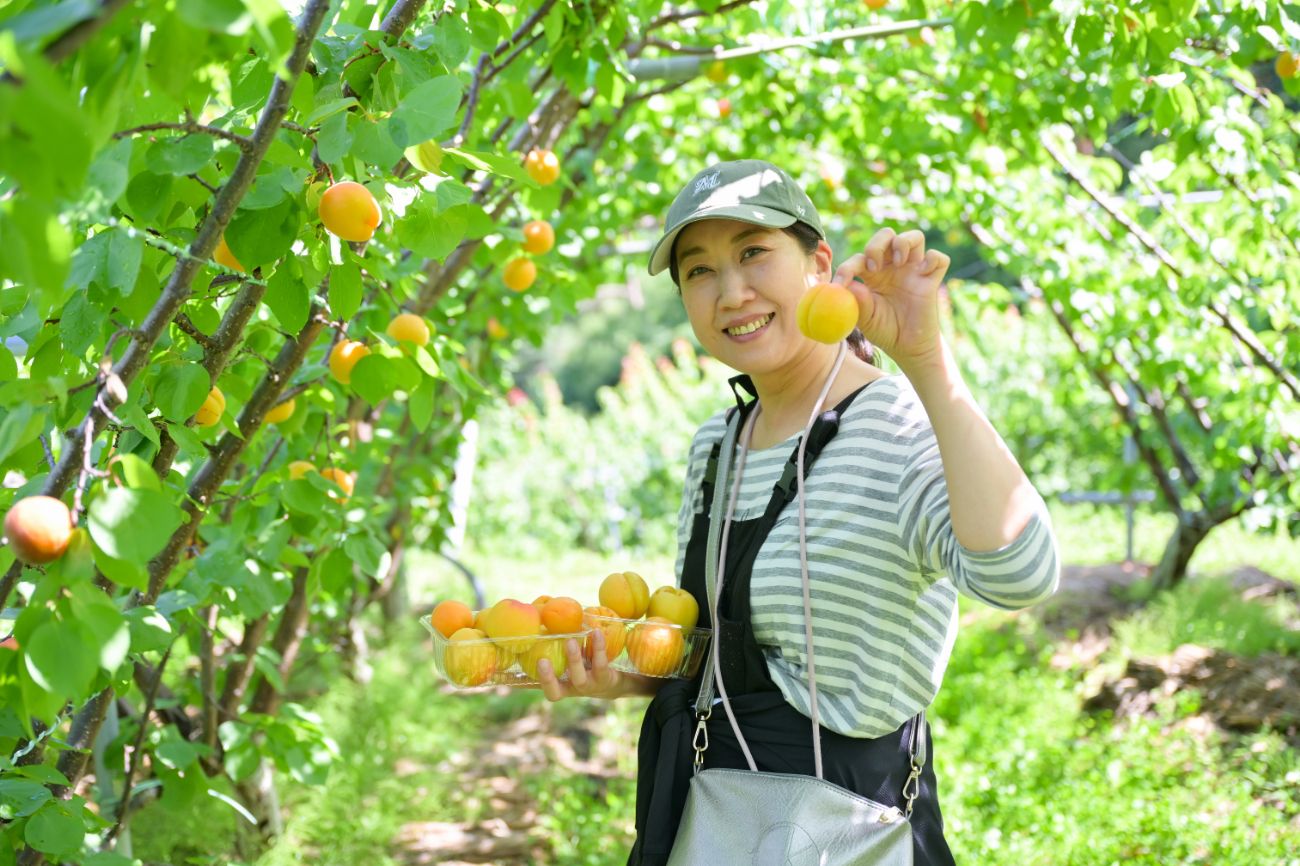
{"points": [[751, 327]]}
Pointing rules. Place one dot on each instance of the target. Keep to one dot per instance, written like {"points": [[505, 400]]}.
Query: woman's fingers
{"points": [[878, 248], [909, 247], [935, 262], [849, 269]]}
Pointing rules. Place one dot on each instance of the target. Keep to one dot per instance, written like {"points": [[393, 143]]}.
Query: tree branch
{"points": [[678, 16], [80, 33], [245, 144], [1242, 335]]}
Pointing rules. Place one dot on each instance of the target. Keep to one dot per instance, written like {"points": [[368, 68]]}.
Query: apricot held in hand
{"points": [[349, 211], [827, 313], [511, 618], [38, 529], [615, 632], [551, 649], [675, 605], [561, 615]]}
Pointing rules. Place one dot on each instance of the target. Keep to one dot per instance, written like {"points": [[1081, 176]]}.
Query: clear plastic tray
{"points": [[471, 664], [651, 649]]}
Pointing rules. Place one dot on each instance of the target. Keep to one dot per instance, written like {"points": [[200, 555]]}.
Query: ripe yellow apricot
{"points": [[656, 646], [349, 211], [210, 412], [519, 274], [877, 4], [539, 237], [542, 166], [344, 480], [468, 659], [343, 357], [223, 256], [626, 593], [716, 72], [299, 468], [281, 412], [827, 313], [606, 620], [38, 528], [1287, 65], [409, 327]]}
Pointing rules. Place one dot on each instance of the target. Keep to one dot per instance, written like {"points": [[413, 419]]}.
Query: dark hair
{"points": [[808, 239]]}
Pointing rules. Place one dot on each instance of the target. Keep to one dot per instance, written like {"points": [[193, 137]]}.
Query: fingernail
{"points": [[543, 666], [871, 264], [898, 257]]}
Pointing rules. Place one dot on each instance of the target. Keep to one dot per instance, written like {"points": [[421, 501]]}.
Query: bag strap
{"points": [[720, 519]]}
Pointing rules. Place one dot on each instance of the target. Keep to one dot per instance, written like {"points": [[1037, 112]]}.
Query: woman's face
{"points": [[741, 285]]}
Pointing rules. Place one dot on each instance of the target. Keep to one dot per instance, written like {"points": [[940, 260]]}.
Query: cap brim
{"points": [[759, 216]]}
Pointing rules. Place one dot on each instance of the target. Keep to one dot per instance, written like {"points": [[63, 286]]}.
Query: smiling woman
{"points": [[832, 602]]}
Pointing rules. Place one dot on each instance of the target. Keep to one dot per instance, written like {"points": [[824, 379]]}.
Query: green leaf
{"points": [[139, 421], [124, 254], [449, 193], [19, 798], [345, 290], [288, 297], [80, 325], [259, 237], [420, 404], [329, 109], [61, 658], [425, 112], [147, 194], [180, 156], [136, 472], [303, 497], [334, 140], [372, 143], [431, 234], [187, 439], [181, 390], [90, 261], [100, 616], [36, 24], [133, 525], [19, 427], [376, 377], [111, 170], [451, 40], [366, 551], [489, 162], [121, 572], [150, 630], [219, 16]]}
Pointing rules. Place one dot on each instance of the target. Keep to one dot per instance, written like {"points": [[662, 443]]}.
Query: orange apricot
{"points": [[349, 211], [409, 327], [345, 480], [542, 166], [223, 256], [39, 529], [451, 616], [519, 273], [539, 237], [281, 412], [606, 620], [210, 412], [827, 313], [517, 624], [343, 357], [299, 468], [1287, 64], [656, 646], [562, 615], [626, 593]]}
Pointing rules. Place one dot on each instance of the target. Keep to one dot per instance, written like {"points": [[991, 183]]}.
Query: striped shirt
{"points": [[884, 566]]}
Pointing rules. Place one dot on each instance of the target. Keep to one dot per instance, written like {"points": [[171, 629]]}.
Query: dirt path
{"points": [[501, 825]]}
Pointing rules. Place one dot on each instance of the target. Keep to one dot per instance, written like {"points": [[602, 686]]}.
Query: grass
{"points": [[1025, 776]]}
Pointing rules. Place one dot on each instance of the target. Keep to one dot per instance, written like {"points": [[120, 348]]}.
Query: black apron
{"points": [[778, 735]]}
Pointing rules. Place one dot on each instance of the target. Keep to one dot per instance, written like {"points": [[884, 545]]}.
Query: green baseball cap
{"points": [[749, 190]]}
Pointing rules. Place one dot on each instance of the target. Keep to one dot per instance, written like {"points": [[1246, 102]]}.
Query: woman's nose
{"points": [[735, 289]]}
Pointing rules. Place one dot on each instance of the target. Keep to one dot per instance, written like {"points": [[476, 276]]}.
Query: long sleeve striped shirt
{"points": [[884, 565]]}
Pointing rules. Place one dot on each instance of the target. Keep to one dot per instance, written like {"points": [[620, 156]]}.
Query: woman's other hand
{"points": [[597, 681]]}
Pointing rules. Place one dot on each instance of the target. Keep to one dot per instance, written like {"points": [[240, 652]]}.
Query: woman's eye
{"points": [[695, 271], [746, 254]]}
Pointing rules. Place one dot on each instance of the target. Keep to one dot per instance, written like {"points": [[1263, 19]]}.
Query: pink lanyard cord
{"points": [[746, 436]]}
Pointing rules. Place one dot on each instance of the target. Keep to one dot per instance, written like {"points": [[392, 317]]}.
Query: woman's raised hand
{"points": [[896, 281]]}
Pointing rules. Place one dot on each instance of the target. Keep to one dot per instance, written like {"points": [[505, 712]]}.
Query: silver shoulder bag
{"points": [[756, 818]]}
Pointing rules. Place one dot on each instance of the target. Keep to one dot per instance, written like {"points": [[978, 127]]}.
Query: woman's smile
{"points": [[750, 328]]}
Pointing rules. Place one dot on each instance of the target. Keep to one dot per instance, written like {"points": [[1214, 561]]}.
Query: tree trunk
{"points": [[1191, 531]]}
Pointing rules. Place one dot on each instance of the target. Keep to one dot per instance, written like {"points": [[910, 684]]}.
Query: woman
{"points": [[911, 496]]}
